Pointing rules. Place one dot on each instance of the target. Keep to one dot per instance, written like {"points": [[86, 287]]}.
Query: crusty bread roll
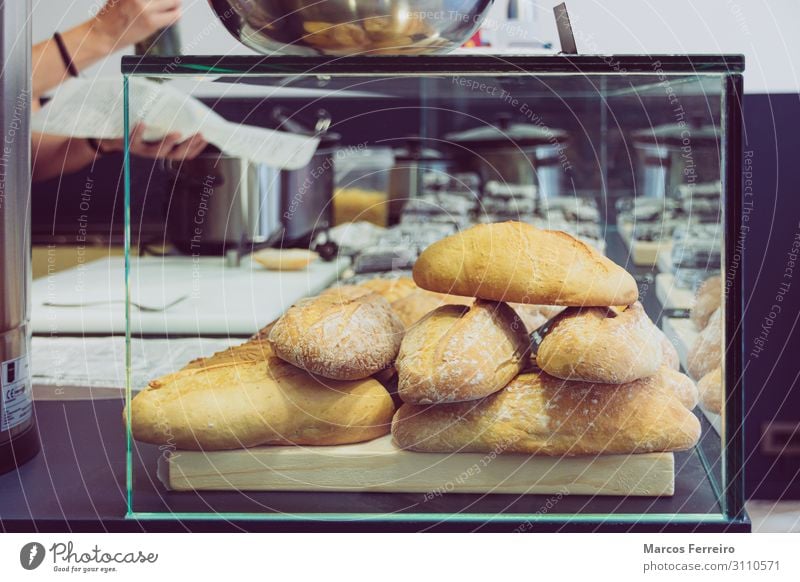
{"points": [[681, 385], [343, 334], [391, 289], [253, 350], [600, 344], [419, 303], [710, 387], [706, 302], [240, 404], [285, 259], [535, 316], [670, 358], [540, 414], [458, 353], [513, 261], [705, 353]]}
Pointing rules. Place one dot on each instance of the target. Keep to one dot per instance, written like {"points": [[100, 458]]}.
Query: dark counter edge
{"points": [[256, 526], [436, 64]]}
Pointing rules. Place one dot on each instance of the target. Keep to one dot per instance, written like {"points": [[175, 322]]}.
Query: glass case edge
{"points": [[734, 292]]}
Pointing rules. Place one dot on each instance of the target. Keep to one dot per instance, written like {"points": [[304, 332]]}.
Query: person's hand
{"points": [[169, 147], [126, 22]]}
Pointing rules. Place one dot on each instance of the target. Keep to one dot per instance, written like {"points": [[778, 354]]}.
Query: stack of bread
{"points": [[306, 380], [705, 354], [605, 378], [600, 379]]}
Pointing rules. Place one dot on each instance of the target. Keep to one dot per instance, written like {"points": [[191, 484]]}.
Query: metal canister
{"points": [[19, 440]]}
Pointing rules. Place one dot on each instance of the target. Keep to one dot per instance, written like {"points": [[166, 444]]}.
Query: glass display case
{"points": [[635, 157]]}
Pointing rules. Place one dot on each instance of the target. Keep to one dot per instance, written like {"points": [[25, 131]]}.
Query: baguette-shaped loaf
{"points": [[264, 401], [514, 261], [600, 344], [346, 333], [461, 353], [539, 414]]}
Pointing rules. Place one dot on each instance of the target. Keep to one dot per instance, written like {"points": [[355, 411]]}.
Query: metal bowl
{"points": [[351, 27]]}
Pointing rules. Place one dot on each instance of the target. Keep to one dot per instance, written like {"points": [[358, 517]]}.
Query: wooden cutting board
{"points": [[379, 466]]}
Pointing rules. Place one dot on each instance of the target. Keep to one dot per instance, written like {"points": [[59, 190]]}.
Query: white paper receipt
{"points": [[15, 388], [94, 108]]}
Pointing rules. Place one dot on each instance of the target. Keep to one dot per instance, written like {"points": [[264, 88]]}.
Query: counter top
{"points": [[77, 483]]}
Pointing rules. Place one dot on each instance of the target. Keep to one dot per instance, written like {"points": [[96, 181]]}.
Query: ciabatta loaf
{"points": [[600, 344], [239, 403], [346, 333], [461, 353], [514, 261], [540, 414]]}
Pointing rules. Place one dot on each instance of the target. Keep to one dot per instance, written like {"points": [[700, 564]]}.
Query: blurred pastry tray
{"points": [[643, 253], [670, 295], [379, 466], [682, 333]]}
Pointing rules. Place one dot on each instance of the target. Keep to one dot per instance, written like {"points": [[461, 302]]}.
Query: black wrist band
{"points": [[65, 56], [96, 146]]}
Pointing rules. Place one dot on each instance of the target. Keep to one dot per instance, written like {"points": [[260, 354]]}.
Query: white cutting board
{"points": [[379, 465], [219, 300]]}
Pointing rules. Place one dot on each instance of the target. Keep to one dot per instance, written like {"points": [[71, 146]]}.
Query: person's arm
{"points": [[118, 24], [54, 155]]}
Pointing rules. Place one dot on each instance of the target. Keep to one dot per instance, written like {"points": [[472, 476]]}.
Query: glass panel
{"points": [[631, 164]]}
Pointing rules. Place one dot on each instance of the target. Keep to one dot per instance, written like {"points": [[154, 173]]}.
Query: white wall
{"points": [[766, 31]]}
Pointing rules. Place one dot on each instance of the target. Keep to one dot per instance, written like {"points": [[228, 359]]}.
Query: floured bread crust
{"points": [[461, 353], [539, 414]]}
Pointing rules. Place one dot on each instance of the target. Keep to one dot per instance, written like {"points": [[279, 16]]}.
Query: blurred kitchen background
{"points": [[601, 177]]}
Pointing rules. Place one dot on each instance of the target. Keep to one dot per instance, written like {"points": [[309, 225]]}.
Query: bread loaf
{"points": [[240, 404], [705, 354], [346, 333], [390, 289], [710, 387], [285, 259], [707, 300], [540, 414], [419, 303], [599, 344], [670, 358], [513, 261], [535, 316], [458, 353], [681, 385]]}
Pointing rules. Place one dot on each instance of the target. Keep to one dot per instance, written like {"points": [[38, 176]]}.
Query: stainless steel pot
{"points": [[411, 163], [18, 436], [349, 27], [220, 203], [504, 152]]}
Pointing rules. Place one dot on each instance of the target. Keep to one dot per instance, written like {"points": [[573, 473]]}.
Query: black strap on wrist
{"points": [[96, 146], [65, 56]]}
